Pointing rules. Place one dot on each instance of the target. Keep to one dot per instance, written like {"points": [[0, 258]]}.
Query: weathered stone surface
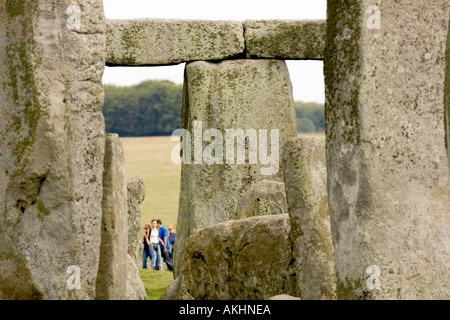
{"points": [[162, 42], [52, 56], [238, 94], [113, 266], [285, 39], [447, 95], [305, 177], [245, 259], [283, 297], [135, 286], [388, 178], [262, 198], [135, 197], [176, 290]]}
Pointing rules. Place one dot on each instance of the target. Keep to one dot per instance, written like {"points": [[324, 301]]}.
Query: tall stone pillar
{"points": [[253, 97], [447, 94], [52, 56], [113, 266], [388, 175], [135, 197], [305, 176]]}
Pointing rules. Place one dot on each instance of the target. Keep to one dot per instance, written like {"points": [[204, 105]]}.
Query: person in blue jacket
{"points": [[164, 244]]}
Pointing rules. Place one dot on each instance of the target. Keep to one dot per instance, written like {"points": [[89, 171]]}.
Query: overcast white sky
{"points": [[306, 76]]}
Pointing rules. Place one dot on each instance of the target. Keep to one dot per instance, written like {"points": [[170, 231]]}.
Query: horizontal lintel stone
{"points": [[285, 39], [138, 42]]}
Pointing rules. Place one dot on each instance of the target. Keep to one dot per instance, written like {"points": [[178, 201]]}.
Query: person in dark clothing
{"points": [[146, 250], [172, 234]]}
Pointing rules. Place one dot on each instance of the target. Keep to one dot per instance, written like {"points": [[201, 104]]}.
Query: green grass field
{"points": [[155, 282], [150, 158]]}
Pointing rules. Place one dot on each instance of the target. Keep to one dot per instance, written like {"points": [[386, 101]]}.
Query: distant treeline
{"points": [[150, 108], [153, 108], [310, 116]]}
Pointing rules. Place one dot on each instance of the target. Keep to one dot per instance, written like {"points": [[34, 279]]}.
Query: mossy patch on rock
{"points": [[285, 39], [245, 259], [164, 41]]}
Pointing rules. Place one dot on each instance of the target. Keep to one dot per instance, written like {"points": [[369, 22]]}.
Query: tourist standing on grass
{"points": [[154, 247], [172, 235], [164, 244], [146, 252]]}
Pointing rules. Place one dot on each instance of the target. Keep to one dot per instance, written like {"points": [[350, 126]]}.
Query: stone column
{"points": [[135, 197], [388, 175], [447, 94], [113, 267], [305, 175], [246, 95], [52, 56]]}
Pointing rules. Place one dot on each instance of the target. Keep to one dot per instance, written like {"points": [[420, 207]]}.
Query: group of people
{"points": [[158, 245]]}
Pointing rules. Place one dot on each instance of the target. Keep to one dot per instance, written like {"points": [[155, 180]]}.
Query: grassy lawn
{"points": [[150, 158], [155, 282]]}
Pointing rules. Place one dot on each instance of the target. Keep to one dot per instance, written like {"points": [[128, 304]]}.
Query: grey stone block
{"points": [[164, 42], [305, 178], [388, 174], [285, 39], [234, 94], [52, 136]]}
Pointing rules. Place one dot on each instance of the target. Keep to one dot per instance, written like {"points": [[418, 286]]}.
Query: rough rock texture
{"points": [[283, 297], [447, 95], [235, 94], [305, 177], [388, 175], [52, 56], [135, 286], [262, 198], [285, 39], [112, 271], [244, 259], [162, 42], [176, 290], [135, 197]]}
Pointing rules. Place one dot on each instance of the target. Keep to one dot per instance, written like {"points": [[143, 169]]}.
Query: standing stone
{"points": [[52, 57], [388, 174], [112, 271], [135, 285], [447, 94], [305, 176], [176, 290], [237, 94], [263, 198], [245, 259], [135, 197]]}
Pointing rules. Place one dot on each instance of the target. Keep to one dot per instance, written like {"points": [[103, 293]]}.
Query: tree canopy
{"points": [[150, 108], [310, 116]]}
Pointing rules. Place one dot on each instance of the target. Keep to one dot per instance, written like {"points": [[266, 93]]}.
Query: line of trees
{"points": [[150, 108], [153, 108], [310, 116]]}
